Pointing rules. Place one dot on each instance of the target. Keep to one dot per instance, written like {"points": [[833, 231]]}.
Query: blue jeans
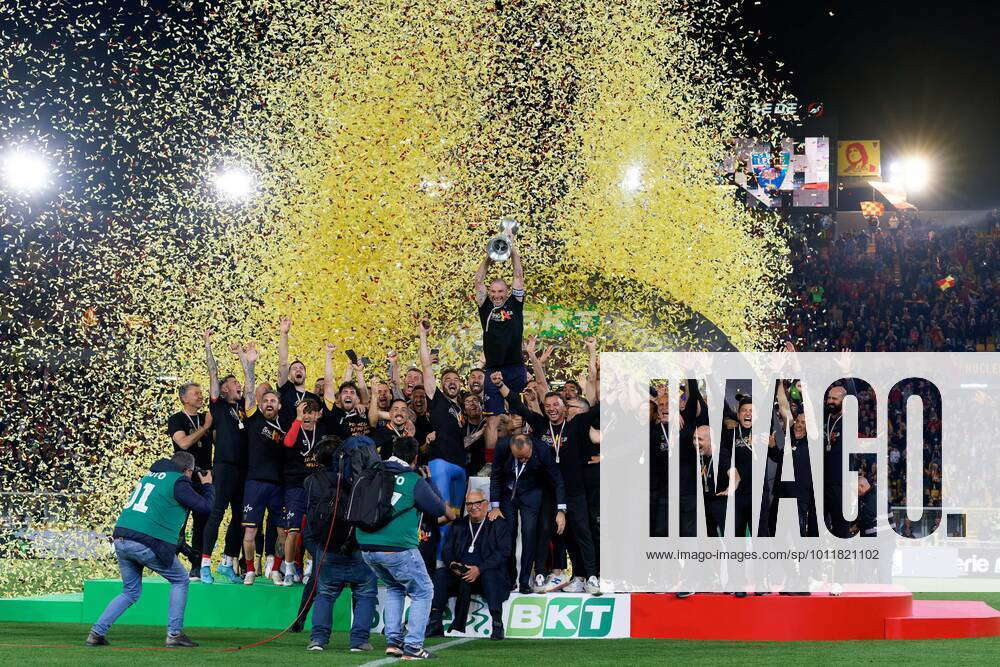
{"points": [[450, 481], [132, 557], [403, 573], [335, 572]]}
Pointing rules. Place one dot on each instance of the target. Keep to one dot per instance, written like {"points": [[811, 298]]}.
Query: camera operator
{"points": [[145, 536]]}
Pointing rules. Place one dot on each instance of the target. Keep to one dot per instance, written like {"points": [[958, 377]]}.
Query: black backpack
{"points": [[370, 506], [324, 508]]}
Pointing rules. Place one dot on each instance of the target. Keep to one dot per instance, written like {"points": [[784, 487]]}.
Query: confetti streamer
{"points": [[385, 141]]}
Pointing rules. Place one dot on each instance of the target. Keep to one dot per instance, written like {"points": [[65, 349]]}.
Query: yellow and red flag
{"points": [[946, 283], [872, 209]]}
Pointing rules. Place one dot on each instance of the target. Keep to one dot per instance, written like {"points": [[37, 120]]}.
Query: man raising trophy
{"points": [[501, 312]]}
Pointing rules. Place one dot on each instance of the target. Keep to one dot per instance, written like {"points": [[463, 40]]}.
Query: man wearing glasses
{"points": [[475, 555]]}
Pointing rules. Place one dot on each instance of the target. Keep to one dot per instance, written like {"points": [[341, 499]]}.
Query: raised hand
{"points": [[251, 353], [497, 378], [236, 349], [330, 348], [591, 343], [207, 335], [284, 324], [549, 349]]}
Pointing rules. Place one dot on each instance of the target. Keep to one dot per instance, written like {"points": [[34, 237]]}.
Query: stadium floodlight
{"points": [[25, 171], [911, 173], [235, 184], [631, 179]]}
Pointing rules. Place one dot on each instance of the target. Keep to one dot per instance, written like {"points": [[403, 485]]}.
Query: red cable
{"points": [[319, 564]]}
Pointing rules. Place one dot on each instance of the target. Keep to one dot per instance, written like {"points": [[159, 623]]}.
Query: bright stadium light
{"points": [[235, 184], [912, 173], [25, 172], [632, 179]]}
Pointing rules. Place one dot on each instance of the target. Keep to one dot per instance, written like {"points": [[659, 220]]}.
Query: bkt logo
{"points": [[559, 616]]}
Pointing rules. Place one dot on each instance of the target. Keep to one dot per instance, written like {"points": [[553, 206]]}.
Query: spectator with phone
{"points": [[475, 555], [146, 536]]}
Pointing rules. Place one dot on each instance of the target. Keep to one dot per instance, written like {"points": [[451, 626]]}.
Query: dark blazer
{"points": [[539, 471], [496, 542]]}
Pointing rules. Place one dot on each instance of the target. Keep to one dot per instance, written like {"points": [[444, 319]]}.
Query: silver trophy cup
{"points": [[499, 248]]}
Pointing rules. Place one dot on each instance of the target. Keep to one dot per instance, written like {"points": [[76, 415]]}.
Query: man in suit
{"points": [[475, 554], [520, 471]]}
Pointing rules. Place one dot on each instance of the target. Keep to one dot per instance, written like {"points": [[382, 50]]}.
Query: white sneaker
{"points": [[556, 582], [289, 579], [593, 586], [297, 574], [268, 566], [575, 585], [249, 577], [539, 585], [307, 573], [276, 578]]}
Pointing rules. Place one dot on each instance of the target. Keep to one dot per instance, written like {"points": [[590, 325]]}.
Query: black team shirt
{"points": [[202, 449], [572, 438], [230, 432], [295, 469], [342, 423], [290, 397], [503, 329], [265, 448], [447, 421]]}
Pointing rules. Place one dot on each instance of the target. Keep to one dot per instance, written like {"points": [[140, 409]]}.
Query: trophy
{"points": [[499, 246]]}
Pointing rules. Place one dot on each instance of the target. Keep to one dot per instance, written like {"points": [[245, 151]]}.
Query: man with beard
{"points": [[737, 450], [501, 313], [263, 489], [833, 446], [568, 440], [300, 441], [422, 421], [476, 382], [342, 415], [802, 488], [693, 414], [228, 470], [189, 431], [291, 378], [394, 427], [446, 455], [474, 437]]}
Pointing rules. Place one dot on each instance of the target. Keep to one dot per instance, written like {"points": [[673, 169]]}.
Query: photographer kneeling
{"points": [[146, 535], [476, 553]]}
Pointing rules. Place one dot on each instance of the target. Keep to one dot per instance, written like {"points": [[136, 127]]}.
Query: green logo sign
{"points": [[559, 616]]}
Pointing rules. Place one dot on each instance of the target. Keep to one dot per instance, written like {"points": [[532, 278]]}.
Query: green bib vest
{"points": [[152, 509], [403, 532]]}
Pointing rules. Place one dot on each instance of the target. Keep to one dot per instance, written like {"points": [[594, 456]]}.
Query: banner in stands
{"points": [[551, 616], [859, 158]]}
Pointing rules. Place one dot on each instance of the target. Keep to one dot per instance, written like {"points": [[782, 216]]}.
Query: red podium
{"points": [[817, 617]]}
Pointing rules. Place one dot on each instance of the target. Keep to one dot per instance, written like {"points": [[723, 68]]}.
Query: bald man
{"points": [[475, 554], [833, 453]]}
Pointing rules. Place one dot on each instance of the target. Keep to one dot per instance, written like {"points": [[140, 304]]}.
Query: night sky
{"points": [[921, 76]]}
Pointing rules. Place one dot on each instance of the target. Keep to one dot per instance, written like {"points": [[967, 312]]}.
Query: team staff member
{"points": [[189, 431], [520, 473], [265, 437], [475, 557], [229, 467], [569, 443], [446, 454], [300, 441], [145, 536], [392, 552]]}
